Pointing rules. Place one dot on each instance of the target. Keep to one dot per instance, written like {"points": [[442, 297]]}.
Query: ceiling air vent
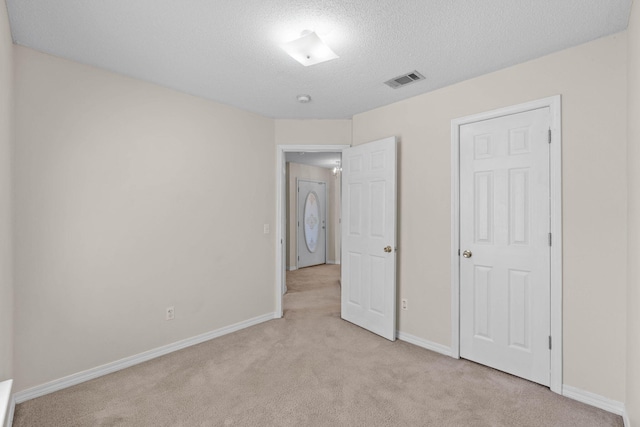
{"points": [[404, 80]]}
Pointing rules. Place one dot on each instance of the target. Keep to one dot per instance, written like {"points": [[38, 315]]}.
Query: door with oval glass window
{"points": [[312, 228]]}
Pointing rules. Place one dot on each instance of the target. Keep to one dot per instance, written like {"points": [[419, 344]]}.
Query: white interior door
{"points": [[312, 223], [369, 236], [504, 240]]}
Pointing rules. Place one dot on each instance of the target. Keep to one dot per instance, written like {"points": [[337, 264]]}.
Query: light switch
{"points": [[266, 229]]}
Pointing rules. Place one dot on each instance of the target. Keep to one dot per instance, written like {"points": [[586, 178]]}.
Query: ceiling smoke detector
{"points": [[404, 80]]}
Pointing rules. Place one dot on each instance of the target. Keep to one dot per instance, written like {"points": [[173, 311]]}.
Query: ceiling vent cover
{"points": [[405, 79]]}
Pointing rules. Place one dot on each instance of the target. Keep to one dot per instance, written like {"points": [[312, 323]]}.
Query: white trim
{"points": [[280, 284], [455, 239], [593, 399], [333, 262], [555, 172], [12, 410], [420, 342], [281, 201], [5, 400], [625, 418], [127, 362], [293, 268]]}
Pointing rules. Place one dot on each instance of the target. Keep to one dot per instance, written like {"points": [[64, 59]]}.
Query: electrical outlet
{"points": [[266, 229], [404, 304], [170, 313]]}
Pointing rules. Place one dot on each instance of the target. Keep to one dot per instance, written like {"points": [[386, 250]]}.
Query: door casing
{"points": [[555, 171], [281, 150]]}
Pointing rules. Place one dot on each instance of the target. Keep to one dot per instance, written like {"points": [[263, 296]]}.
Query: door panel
{"points": [[482, 302], [369, 207], [519, 309], [312, 237], [504, 226]]}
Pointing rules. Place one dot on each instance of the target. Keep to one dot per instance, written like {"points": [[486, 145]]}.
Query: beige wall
{"points": [[592, 81], [6, 281], [632, 401], [130, 198], [297, 171], [313, 132]]}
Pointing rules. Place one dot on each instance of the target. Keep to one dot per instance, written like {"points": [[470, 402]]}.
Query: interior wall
{"points": [[592, 81], [129, 198], [632, 401], [6, 125], [312, 132], [299, 171]]}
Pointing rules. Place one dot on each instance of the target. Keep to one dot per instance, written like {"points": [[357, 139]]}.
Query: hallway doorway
{"points": [[312, 163], [313, 205]]}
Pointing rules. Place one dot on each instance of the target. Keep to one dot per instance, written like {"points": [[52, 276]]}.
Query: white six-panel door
{"points": [[504, 244], [369, 236]]}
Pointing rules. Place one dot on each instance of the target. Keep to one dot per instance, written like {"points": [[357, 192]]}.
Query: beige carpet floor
{"points": [[308, 369]]}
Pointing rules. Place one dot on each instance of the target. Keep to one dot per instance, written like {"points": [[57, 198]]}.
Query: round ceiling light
{"points": [[303, 99]]}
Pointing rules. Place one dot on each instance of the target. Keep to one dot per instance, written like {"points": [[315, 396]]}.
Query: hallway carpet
{"points": [[308, 369]]}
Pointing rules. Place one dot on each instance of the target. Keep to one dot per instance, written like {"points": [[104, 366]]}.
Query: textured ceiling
{"points": [[228, 50]]}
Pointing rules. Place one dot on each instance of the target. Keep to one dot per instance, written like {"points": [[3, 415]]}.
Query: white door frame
{"points": [[281, 218], [555, 171]]}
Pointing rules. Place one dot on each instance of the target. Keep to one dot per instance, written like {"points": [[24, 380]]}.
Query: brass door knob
{"points": [[467, 254], [388, 249]]}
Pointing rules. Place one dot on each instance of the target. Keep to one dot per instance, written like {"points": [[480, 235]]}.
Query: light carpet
{"points": [[308, 369]]}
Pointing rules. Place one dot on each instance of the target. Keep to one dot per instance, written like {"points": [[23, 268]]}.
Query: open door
{"points": [[369, 236]]}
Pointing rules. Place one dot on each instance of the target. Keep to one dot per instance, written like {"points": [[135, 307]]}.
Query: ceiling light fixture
{"points": [[309, 49], [338, 169], [303, 99]]}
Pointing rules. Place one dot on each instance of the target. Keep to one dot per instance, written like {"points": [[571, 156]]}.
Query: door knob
{"points": [[467, 254], [387, 249]]}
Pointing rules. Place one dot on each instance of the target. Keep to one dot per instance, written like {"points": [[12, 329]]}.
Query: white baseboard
{"points": [[292, 268], [127, 362], [593, 399], [429, 345], [583, 396], [574, 393], [330, 261]]}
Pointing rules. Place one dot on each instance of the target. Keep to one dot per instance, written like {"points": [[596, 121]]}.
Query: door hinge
{"points": [[549, 342], [458, 252], [549, 136], [550, 241], [298, 258]]}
